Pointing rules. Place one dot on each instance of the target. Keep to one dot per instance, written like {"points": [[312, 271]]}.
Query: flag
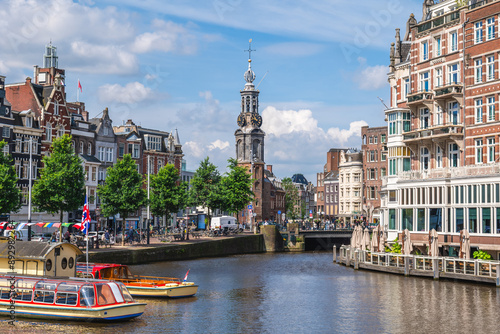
{"points": [[186, 277], [80, 86], [84, 226]]}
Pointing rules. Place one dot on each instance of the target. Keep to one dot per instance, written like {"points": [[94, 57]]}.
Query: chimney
{"points": [[105, 113], [270, 168]]}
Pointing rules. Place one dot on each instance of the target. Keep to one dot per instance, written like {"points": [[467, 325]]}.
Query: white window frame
{"points": [[101, 153], [425, 51], [453, 106], [438, 45], [490, 68], [438, 115], [439, 77], [478, 151], [439, 157], [56, 107], [454, 154], [478, 32], [425, 158], [453, 41], [89, 149], [48, 132], [478, 70], [424, 82], [453, 74], [491, 150], [490, 28], [478, 111], [424, 118], [490, 108]]}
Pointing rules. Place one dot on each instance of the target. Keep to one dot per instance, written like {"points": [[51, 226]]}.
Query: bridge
{"points": [[317, 240]]}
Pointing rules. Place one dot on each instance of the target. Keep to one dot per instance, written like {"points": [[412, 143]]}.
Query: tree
{"points": [[62, 180], [10, 196], [122, 192], [205, 187], [236, 188], [168, 195], [291, 198]]}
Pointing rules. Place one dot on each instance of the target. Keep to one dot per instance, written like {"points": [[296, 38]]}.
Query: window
{"points": [[6, 132], [56, 107], [424, 118], [439, 157], [479, 110], [490, 68], [373, 193], [373, 175], [100, 152], [478, 71], [491, 149], [453, 74], [109, 154], [383, 172], [424, 82], [105, 130], [478, 32], [48, 132], [382, 138], [370, 140], [89, 149], [81, 147], [454, 155], [60, 132], [437, 44], [439, 77], [425, 51], [29, 121], [490, 28], [6, 150], [375, 140], [490, 107], [438, 115], [383, 156], [453, 41], [153, 142], [133, 149], [479, 151], [424, 158], [121, 150], [406, 122], [406, 90], [453, 112]]}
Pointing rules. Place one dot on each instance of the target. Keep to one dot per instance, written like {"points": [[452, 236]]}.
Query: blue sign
{"points": [[250, 207], [279, 212], [310, 211]]}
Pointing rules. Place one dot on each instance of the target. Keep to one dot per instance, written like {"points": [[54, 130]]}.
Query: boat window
{"points": [[4, 292], [116, 292], [43, 285], [23, 294], [64, 263], [44, 296], [125, 293], [25, 283], [67, 287], [71, 263], [66, 298], [87, 296], [104, 294], [48, 265]]}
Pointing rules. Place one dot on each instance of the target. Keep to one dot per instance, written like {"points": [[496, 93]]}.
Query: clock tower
{"points": [[250, 141]]}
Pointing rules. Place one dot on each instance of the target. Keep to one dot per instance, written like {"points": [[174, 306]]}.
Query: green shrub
{"points": [[481, 255], [395, 247]]}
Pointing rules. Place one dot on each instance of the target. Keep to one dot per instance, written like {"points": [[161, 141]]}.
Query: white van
{"points": [[224, 223]]}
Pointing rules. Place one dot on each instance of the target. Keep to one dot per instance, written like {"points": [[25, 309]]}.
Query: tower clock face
{"points": [[256, 120], [241, 120]]}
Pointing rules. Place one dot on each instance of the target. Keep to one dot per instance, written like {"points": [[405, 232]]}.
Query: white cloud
{"points": [[194, 149], [3, 67], [132, 93], [281, 122], [342, 136], [372, 77], [167, 37], [218, 144]]}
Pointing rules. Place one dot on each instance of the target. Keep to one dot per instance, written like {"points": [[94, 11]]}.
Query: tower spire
{"points": [[249, 74]]}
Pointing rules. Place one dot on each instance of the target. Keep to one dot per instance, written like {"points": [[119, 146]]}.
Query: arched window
{"points": [[48, 132], [89, 149], [81, 147]]}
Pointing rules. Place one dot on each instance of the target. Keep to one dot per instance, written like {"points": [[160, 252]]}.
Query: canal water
{"points": [[299, 293]]}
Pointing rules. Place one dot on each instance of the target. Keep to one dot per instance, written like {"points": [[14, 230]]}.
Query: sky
{"points": [[321, 67]]}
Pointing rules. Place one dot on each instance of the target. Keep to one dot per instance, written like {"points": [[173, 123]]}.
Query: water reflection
{"points": [[295, 293]]}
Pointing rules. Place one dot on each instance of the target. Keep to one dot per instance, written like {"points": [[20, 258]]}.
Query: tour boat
{"points": [[139, 286], [72, 299]]}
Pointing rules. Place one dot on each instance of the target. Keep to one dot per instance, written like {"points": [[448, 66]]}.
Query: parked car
{"points": [[46, 237]]}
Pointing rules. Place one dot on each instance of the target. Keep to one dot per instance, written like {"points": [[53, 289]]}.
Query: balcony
{"points": [[437, 133], [453, 90], [492, 169], [420, 97], [439, 21]]}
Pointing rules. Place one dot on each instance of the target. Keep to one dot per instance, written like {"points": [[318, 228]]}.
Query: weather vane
{"points": [[249, 49]]}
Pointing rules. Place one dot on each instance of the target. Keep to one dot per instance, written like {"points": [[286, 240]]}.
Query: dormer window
{"points": [[105, 130], [89, 149], [56, 107], [29, 121], [81, 147]]}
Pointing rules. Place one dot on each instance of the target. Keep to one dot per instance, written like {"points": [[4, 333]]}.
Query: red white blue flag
{"points": [[186, 277], [84, 226]]}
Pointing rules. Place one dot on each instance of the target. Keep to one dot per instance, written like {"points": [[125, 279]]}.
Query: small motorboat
{"points": [[72, 299], [139, 286]]}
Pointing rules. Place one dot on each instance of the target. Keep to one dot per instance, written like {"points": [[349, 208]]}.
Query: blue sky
{"points": [[179, 64]]}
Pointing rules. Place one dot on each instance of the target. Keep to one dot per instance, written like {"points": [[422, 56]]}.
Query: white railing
{"points": [[414, 175], [471, 267]]}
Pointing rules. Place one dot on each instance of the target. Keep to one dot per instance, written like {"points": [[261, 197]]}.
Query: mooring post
{"points": [[356, 259], [348, 257], [407, 266], [334, 253], [435, 268], [498, 275]]}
